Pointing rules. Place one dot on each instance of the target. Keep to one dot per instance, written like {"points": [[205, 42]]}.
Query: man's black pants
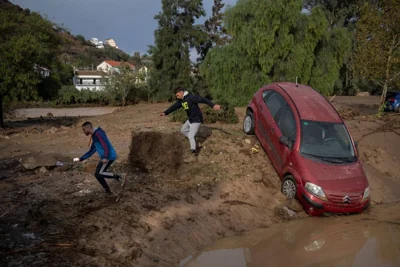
{"points": [[102, 173]]}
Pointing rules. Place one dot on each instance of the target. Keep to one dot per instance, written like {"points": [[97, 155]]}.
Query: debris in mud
{"points": [[348, 113], [155, 152], [258, 177], [290, 210], [38, 160]]}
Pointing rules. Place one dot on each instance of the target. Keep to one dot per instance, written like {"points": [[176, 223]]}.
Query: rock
{"points": [[4, 137], [294, 205], [285, 213], [52, 130], [258, 177], [247, 141], [38, 160], [43, 170]]}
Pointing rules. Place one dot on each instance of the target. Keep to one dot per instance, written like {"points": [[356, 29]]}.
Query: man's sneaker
{"points": [[194, 151]]}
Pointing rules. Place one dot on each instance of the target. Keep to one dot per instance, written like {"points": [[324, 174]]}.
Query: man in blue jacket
{"points": [[106, 151], [190, 102]]}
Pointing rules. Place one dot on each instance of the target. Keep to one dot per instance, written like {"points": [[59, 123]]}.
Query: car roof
{"points": [[310, 104]]}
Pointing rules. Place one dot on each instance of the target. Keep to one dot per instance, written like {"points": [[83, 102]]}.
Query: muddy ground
{"points": [[169, 209]]}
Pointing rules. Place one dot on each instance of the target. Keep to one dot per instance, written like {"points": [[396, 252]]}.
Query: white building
{"points": [[111, 65], [112, 43], [97, 43], [91, 80], [144, 75]]}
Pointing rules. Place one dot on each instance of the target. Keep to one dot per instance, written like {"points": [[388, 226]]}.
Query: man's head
{"points": [[87, 128], [180, 92]]}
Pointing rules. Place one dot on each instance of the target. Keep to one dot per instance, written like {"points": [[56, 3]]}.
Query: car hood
{"points": [[349, 177]]}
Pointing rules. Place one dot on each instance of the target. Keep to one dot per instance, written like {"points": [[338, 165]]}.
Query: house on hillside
{"points": [[144, 75], [97, 43], [91, 80], [111, 66], [112, 43], [42, 70]]}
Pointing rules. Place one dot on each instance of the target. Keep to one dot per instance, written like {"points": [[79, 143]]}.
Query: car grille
{"points": [[339, 199]]}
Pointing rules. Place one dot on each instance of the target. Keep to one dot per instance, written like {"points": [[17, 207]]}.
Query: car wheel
{"points": [[248, 124], [289, 187], [397, 109]]}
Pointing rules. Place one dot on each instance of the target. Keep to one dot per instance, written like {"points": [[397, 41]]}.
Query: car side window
{"points": [[265, 94], [274, 102], [287, 123]]}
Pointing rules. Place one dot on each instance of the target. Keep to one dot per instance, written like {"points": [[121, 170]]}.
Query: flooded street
{"points": [[359, 240]]}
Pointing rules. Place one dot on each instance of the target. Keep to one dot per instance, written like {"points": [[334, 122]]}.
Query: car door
{"points": [[286, 124], [273, 102]]}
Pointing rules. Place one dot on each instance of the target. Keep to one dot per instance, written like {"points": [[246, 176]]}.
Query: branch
{"points": [[394, 77], [396, 45]]}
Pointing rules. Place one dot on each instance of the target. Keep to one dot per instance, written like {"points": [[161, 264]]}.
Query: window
{"points": [[287, 123], [274, 103], [94, 81], [329, 140], [80, 81], [265, 94]]}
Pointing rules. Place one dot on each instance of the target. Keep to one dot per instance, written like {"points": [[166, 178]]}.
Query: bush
{"points": [[227, 114], [70, 95]]}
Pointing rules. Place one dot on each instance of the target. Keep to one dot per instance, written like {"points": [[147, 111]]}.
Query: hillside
{"points": [[75, 52]]}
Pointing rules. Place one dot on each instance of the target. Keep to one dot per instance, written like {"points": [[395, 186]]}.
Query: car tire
{"points": [[397, 109], [248, 123], [289, 187]]}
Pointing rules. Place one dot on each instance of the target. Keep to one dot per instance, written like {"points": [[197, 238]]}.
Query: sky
{"points": [[129, 22]]}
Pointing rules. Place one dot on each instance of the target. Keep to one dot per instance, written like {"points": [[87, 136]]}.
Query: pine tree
{"points": [[175, 36], [216, 32]]}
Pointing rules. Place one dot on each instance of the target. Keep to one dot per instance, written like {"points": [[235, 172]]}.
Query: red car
{"points": [[310, 148]]}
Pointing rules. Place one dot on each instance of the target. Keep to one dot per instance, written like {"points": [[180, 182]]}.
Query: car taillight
{"points": [[391, 99]]}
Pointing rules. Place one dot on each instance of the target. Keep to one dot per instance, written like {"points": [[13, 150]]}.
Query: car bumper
{"points": [[314, 206]]}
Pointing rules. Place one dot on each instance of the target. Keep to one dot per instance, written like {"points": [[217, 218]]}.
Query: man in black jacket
{"points": [[190, 102]]}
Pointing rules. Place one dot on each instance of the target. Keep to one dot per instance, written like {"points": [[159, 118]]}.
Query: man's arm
{"points": [[199, 99], [102, 138], [89, 153], [173, 108]]}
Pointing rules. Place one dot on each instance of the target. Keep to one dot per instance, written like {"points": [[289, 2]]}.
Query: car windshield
{"points": [[327, 141]]}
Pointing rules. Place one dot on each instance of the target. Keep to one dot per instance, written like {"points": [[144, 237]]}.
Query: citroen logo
{"points": [[346, 199]]}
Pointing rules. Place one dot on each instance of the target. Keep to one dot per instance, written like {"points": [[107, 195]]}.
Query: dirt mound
{"points": [[155, 152]]}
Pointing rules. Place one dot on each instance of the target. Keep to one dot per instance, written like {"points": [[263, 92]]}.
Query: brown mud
{"points": [[168, 210]]}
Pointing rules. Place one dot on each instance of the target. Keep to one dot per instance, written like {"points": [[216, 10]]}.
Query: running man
{"points": [[190, 102], [106, 151]]}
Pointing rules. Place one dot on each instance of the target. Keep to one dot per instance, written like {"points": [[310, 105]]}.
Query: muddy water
{"points": [[343, 241]]}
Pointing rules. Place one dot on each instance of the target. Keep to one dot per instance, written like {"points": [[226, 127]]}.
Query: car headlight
{"points": [[316, 190], [366, 193]]}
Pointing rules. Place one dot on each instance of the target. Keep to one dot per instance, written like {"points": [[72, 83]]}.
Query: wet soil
{"points": [[169, 209]]}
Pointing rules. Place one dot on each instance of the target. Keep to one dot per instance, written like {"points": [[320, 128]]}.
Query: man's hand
{"points": [[217, 107], [162, 114], [104, 161]]}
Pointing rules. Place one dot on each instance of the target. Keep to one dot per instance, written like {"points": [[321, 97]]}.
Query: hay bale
{"points": [[156, 152]]}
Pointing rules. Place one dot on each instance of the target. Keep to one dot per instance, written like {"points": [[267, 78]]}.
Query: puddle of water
{"points": [[312, 242]]}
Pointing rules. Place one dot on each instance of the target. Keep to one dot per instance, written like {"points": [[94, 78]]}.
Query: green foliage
{"points": [[69, 95], [275, 42], [123, 83], [227, 114], [28, 42], [378, 36], [175, 35], [81, 39]]}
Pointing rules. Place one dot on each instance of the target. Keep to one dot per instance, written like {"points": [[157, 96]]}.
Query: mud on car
{"points": [[310, 147]]}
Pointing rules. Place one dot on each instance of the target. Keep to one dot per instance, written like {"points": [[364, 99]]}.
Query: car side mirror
{"points": [[285, 141]]}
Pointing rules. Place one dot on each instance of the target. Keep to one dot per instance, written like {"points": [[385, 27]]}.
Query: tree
{"points": [[81, 39], [274, 42], [175, 36], [378, 35], [121, 83], [28, 42], [216, 32]]}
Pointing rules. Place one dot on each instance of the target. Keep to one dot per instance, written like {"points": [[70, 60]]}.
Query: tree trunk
{"points": [[1, 112], [387, 73], [123, 102]]}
